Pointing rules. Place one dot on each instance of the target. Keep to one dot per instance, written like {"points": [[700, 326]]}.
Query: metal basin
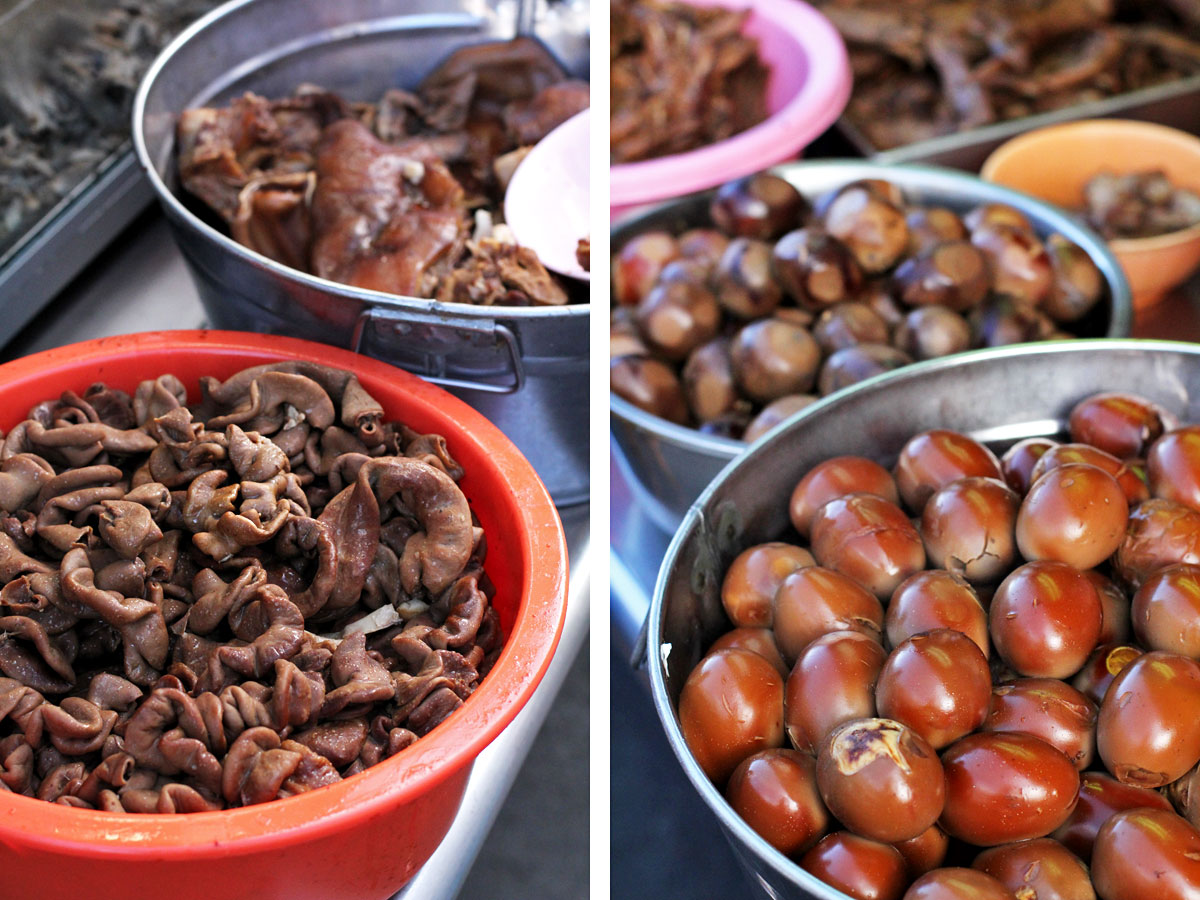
{"points": [[669, 465], [525, 369], [998, 396]]}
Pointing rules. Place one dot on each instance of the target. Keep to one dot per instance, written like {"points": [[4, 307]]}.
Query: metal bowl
{"points": [[525, 369], [669, 465], [998, 396]]}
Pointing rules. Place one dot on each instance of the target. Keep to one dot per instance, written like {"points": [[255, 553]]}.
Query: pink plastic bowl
{"points": [[808, 88]]}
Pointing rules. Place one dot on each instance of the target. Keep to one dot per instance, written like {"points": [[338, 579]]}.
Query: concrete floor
{"points": [[538, 847]]}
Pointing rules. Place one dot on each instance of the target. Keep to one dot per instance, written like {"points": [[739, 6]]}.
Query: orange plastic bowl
{"points": [[1055, 163], [363, 837]]}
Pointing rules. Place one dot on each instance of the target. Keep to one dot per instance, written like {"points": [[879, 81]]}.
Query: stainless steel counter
{"points": [[141, 284]]}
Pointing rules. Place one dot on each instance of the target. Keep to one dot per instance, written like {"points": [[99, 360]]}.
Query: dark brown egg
{"points": [[833, 681], [933, 459], [760, 206], [731, 707], [954, 275], [1147, 853], [756, 640], [773, 358], [1148, 733], [1159, 533], [957, 884], [1045, 619], [638, 264], [860, 868], [815, 601], [742, 280], [1104, 665], [775, 412], [847, 324], [880, 779], [775, 792], [930, 226], [1124, 425], [1132, 483], [1074, 514], [815, 269], [649, 384], [851, 365], [1166, 611], [1019, 263], [936, 599], [925, 852], [1041, 869], [708, 382], [1002, 788], [969, 527], [753, 578], [1114, 605], [870, 225], [868, 539], [835, 478], [1173, 466], [675, 319], [932, 331], [938, 684], [1100, 797], [1049, 709], [1019, 460]]}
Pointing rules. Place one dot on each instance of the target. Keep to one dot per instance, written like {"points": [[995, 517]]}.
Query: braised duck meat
{"points": [[388, 218], [381, 195], [682, 76], [930, 67]]}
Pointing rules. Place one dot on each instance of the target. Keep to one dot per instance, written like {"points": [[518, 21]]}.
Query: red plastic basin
{"points": [[363, 837]]}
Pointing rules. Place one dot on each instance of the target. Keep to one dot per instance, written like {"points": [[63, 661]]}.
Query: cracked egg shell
{"points": [[969, 527], [880, 779], [869, 539]]}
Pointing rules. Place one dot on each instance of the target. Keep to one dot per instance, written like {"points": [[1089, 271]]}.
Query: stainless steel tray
{"points": [[1176, 103]]}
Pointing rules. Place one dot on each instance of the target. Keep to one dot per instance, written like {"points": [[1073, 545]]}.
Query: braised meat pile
{"points": [[225, 602], [1139, 204], [682, 76], [401, 196], [925, 68]]}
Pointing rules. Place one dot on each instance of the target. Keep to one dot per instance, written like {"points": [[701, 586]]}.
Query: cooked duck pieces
{"points": [[385, 217], [498, 272], [221, 149], [487, 77]]}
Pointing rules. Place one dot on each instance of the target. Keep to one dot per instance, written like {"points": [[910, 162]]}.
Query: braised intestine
{"points": [[217, 604]]}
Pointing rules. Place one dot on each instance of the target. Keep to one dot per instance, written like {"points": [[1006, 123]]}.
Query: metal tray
{"points": [[1176, 103]]}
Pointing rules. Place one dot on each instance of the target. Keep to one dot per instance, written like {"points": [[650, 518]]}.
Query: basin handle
{"points": [[404, 321]]}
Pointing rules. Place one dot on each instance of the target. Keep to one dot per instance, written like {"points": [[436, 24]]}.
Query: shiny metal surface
{"points": [[671, 464], [143, 284], [998, 395], [525, 369]]}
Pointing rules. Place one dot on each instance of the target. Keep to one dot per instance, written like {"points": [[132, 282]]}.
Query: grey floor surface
{"points": [[538, 847]]}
